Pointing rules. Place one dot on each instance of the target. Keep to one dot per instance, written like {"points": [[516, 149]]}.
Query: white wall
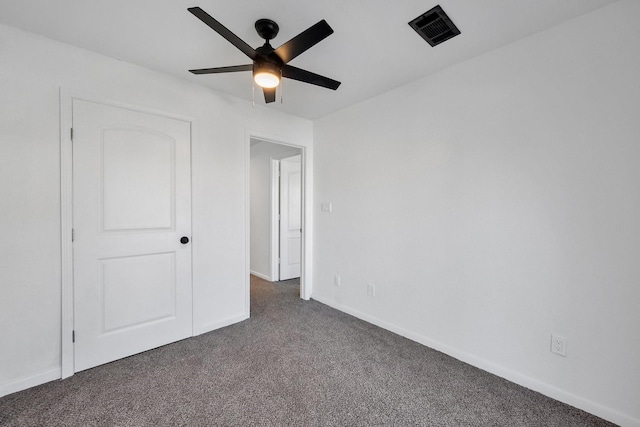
{"points": [[32, 72], [261, 154], [495, 203]]}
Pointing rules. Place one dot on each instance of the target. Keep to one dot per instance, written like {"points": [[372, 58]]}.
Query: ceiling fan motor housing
{"points": [[267, 67], [267, 61]]}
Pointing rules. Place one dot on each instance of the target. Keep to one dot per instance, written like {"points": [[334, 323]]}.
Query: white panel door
{"points": [[132, 206], [290, 217]]}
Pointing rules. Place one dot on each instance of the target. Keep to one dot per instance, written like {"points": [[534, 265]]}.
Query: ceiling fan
{"points": [[269, 64]]}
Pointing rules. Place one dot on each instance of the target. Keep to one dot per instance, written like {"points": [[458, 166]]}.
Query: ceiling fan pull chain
{"points": [[281, 91], [253, 95]]}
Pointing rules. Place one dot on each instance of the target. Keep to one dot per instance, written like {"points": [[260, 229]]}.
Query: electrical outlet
{"points": [[558, 345], [336, 280], [326, 207], [371, 290]]}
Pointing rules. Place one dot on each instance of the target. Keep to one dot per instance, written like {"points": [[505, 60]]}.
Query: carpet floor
{"points": [[293, 363]]}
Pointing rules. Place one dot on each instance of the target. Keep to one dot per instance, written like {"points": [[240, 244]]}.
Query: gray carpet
{"points": [[294, 363]]}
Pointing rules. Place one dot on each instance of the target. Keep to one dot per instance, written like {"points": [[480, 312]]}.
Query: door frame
{"points": [[67, 96], [306, 152]]}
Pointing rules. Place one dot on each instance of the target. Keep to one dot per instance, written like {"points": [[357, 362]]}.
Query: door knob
{"points": [[184, 240]]}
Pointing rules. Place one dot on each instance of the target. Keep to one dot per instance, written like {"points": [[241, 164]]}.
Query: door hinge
{"points": [[73, 336], [278, 260], [73, 234], [72, 134]]}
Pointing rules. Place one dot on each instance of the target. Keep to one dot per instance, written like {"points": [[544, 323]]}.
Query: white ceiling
{"points": [[372, 50]]}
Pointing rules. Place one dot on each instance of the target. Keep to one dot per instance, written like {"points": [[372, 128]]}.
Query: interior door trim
{"points": [[306, 277]]}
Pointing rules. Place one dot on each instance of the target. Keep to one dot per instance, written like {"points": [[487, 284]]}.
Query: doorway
{"points": [[276, 210]]}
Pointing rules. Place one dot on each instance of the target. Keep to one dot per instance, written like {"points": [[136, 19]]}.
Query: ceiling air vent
{"points": [[435, 26]]}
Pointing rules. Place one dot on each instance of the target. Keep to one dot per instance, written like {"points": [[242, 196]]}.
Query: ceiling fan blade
{"points": [[269, 94], [216, 70], [223, 31], [304, 41], [309, 77]]}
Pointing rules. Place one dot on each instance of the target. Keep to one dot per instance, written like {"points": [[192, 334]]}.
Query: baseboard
{"points": [[220, 324], [55, 374], [260, 275], [513, 376], [30, 381]]}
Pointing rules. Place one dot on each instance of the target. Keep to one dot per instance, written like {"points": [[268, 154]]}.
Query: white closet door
{"points": [[132, 206], [290, 217]]}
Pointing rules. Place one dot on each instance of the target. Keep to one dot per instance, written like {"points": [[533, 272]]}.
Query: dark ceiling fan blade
{"points": [[309, 77], [223, 31], [304, 41], [216, 70], [269, 94]]}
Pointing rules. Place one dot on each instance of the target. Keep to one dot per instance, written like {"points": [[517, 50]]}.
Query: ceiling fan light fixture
{"points": [[268, 80], [266, 74]]}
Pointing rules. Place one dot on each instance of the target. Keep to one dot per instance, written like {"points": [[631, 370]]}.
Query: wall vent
{"points": [[435, 26]]}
